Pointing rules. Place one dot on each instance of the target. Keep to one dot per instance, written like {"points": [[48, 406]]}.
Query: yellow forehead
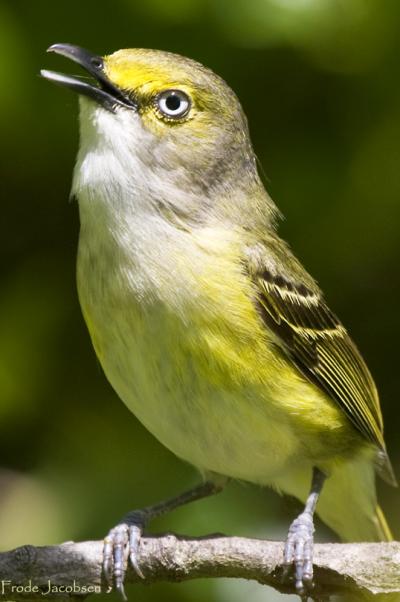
{"points": [[149, 70]]}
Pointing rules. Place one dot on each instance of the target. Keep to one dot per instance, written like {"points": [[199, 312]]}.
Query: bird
{"points": [[205, 323]]}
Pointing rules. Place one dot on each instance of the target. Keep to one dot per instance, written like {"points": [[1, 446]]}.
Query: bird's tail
{"points": [[349, 506], [384, 529], [348, 502]]}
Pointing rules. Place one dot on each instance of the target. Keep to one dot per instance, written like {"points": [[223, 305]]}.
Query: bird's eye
{"points": [[173, 103]]}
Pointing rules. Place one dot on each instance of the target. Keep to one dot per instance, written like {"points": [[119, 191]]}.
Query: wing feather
{"points": [[319, 345]]}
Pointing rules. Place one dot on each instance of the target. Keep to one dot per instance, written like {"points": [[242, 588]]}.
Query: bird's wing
{"points": [[312, 336]]}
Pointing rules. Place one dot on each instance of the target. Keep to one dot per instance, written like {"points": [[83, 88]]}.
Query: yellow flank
{"points": [[234, 350]]}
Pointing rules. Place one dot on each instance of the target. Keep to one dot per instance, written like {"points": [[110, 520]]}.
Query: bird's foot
{"points": [[121, 545], [299, 552]]}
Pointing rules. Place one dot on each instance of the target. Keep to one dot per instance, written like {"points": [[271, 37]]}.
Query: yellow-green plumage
{"points": [[207, 327]]}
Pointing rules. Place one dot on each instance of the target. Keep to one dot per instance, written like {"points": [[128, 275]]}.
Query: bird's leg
{"points": [[300, 540], [123, 541]]}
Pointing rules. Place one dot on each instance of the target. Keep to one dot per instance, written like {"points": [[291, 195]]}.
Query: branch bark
{"points": [[74, 569]]}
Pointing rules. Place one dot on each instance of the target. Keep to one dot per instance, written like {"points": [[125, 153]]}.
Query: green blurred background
{"points": [[319, 81]]}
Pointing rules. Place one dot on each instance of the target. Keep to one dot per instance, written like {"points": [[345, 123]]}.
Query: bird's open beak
{"points": [[101, 91]]}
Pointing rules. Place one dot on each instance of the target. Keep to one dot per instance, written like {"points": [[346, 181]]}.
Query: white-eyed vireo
{"points": [[206, 325]]}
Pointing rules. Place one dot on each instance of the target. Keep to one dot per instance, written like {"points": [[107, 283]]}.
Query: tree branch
{"points": [[74, 569]]}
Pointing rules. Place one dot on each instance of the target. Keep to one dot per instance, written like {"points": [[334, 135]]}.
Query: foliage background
{"points": [[319, 82]]}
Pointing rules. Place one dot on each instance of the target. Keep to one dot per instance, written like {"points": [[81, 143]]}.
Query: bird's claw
{"points": [[122, 545], [299, 551]]}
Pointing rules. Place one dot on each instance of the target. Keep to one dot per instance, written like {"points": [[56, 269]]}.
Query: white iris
{"points": [[173, 103]]}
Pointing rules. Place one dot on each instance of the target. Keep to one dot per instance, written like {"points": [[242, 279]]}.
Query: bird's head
{"points": [[164, 124]]}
